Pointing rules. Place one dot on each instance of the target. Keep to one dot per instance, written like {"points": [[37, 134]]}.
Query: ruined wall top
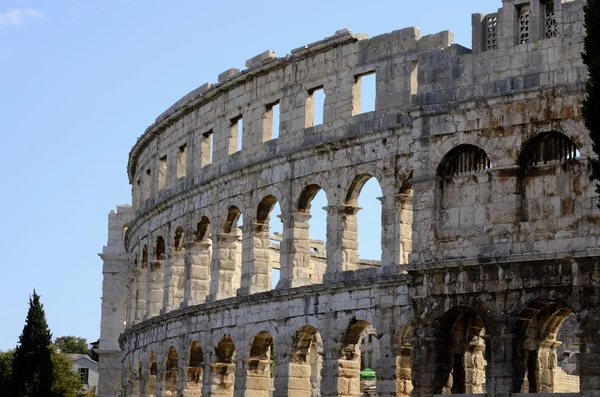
{"points": [[430, 71]]}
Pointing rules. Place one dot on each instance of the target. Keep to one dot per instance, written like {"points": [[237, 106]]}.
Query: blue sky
{"points": [[81, 80]]}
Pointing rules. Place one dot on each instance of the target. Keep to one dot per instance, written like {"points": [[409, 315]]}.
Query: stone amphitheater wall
{"points": [[488, 230]]}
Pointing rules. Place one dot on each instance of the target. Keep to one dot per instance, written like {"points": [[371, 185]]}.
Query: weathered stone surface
{"points": [[489, 222]]}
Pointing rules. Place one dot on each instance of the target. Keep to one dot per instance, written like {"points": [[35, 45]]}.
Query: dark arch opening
{"points": [[539, 342], [231, 222], [202, 230], [546, 148], [179, 239], [225, 350], [145, 256], [464, 159], [159, 250], [460, 349]]}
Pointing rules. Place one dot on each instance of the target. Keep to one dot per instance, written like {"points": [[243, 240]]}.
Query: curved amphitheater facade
{"points": [[488, 230]]}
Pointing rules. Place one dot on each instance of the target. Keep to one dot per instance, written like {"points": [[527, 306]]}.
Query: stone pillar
{"points": [[115, 269], [154, 296], [192, 382], [501, 362], [423, 358], [197, 273], [256, 264], [258, 378], [222, 379], [142, 279], [296, 266], [424, 218], [396, 231], [174, 280], [225, 268], [589, 356], [390, 380], [342, 238]]}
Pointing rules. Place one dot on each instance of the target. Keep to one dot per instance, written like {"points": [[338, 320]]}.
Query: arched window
{"points": [[159, 251], [179, 237], [464, 159], [551, 147]]}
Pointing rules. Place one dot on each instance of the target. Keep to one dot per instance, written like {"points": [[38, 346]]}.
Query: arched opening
{"points": [[352, 374], [260, 364], [198, 263], [306, 363], [171, 372], [309, 230], [547, 349], [150, 384], [159, 249], [365, 194], [223, 369], [145, 256], [178, 239], [551, 184], [403, 364], [460, 351], [464, 192], [226, 265], [193, 382], [263, 258]]}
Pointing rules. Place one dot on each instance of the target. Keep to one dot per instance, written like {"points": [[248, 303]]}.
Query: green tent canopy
{"points": [[368, 373]]}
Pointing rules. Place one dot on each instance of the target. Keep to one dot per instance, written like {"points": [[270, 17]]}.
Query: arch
{"points": [[171, 372], [306, 197], [464, 159], [355, 188], [225, 350], [193, 381], [202, 229], [460, 348], [159, 249], [233, 215], [537, 330], [306, 362], [179, 238], [548, 147], [351, 360], [264, 209], [223, 370], [258, 377], [153, 364], [260, 346]]}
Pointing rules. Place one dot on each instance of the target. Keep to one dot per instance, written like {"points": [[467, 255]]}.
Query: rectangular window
{"points": [[181, 161], [315, 104], [147, 183], [137, 191], [414, 78], [162, 173], [271, 121], [237, 132], [206, 148], [364, 94], [550, 24], [84, 374], [524, 22]]}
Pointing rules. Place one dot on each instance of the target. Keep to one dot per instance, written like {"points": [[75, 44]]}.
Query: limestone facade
{"points": [[489, 221]]}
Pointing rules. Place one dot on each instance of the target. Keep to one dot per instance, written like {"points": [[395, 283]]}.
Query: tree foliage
{"points": [[591, 103], [32, 363], [67, 382], [6, 359], [72, 344]]}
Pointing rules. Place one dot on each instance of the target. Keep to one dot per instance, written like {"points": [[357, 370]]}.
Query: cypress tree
{"points": [[591, 102], [32, 363]]}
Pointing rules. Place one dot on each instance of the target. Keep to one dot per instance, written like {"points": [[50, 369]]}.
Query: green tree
{"points": [[67, 382], [6, 359], [32, 369], [72, 344], [591, 103]]}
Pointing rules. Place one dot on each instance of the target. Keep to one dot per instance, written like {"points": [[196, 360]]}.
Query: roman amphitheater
{"points": [[489, 277]]}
